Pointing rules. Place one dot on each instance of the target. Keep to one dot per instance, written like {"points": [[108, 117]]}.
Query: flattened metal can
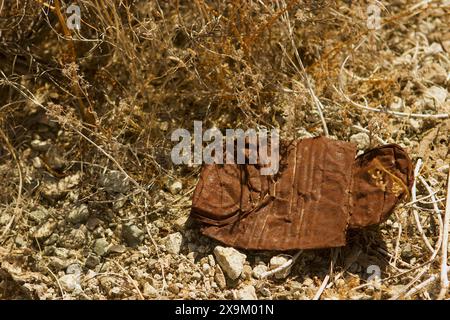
{"points": [[320, 191]]}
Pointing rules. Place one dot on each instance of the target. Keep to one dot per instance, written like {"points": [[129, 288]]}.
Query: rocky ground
{"points": [[96, 210]]}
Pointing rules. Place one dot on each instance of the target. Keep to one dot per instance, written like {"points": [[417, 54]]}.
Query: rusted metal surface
{"points": [[381, 178], [319, 192]]}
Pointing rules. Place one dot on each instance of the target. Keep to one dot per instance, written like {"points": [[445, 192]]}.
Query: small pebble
{"points": [[92, 261], [246, 293], [278, 261], [101, 246], [70, 282], [259, 270], [361, 140], [173, 242], [219, 278], [149, 291], [176, 187], [79, 215], [132, 235]]}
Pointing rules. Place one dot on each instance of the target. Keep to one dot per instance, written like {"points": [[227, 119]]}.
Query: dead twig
{"points": [[415, 213], [133, 282], [324, 284], [444, 263]]}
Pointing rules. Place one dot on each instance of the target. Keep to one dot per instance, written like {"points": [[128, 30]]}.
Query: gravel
{"points": [[439, 94], [39, 215], [246, 293], [92, 261]]}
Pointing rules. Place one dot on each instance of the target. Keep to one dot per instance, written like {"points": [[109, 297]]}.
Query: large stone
{"points": [[231, 261], [173, 242], [132, 234]]}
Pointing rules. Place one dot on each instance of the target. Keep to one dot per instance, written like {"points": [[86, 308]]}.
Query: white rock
{"points": [[176, 187], [74, 268], [173, 242], [416, 125], [437, 93], [149, 291], [39, 145], [231, 261], [219, 277], [259, 270], [115, 291], [211, 260], [278, 261], [397, 104], [180, 223], [361, 139], [196, 276], [70, 282], [206, 267], [246, 293]]}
